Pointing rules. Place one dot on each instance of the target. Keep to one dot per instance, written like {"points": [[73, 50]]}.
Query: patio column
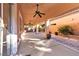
{"points": [[47, 25], [12, 29], [1, 30], [37, 28]]}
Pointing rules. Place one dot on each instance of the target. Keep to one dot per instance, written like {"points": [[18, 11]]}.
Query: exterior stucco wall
{"points": [[71, 20]]}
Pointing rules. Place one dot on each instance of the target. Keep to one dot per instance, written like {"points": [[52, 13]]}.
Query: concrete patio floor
{"points": [[35, 44]]}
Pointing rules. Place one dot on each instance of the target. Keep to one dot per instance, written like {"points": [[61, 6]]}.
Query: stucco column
{"points": [[33, 28], [1, 30], [1, 36], [37, 28], [12, 29], [47, 25]]}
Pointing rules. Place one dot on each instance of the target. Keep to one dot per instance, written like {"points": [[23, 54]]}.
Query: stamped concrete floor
{"points": [[36, 45]]}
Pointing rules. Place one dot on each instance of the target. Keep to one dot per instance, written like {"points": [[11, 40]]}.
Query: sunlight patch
{"points": [[44, 49]]}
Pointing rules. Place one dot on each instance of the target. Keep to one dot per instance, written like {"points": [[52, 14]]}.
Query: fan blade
{"points": [[42, 13], [39, 15], [35, 14]]}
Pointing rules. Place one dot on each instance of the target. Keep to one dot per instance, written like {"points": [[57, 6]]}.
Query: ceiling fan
{"points": [[37, 12]]}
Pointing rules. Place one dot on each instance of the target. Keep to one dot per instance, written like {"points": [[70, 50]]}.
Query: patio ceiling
{"points": [[51, 10]]}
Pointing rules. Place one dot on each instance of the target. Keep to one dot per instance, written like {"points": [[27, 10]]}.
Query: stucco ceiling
{"points": [[50, 9]]}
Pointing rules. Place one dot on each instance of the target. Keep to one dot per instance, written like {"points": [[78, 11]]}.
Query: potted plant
{"points": [[56, 33], [66, 30]]}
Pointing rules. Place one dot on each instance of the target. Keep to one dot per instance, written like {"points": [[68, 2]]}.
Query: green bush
{"points": [[66, 29]]}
